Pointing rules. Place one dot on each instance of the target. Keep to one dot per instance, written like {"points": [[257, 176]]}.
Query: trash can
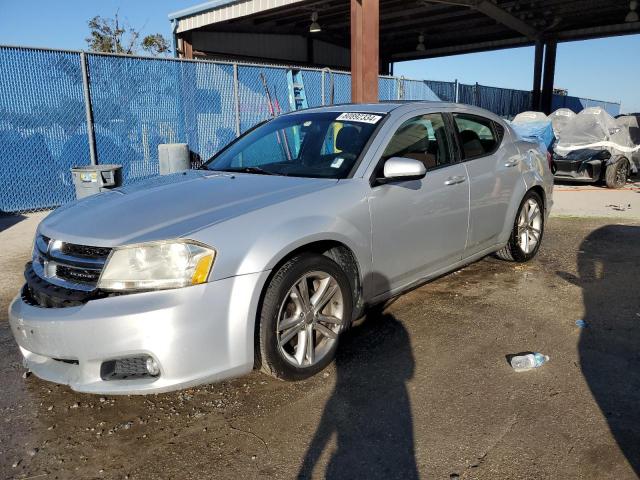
{"points": [[92, 179], [173, 157]]}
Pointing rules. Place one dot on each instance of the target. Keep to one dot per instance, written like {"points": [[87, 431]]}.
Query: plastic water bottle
{"points": [[520, 363]]}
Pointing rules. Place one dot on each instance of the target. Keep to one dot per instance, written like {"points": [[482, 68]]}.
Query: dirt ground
{"points": [[420, 389]]}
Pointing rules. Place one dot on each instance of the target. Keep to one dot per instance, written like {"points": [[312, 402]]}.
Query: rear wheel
{"points": [[617, 173], [306, 306], [528, 228]]}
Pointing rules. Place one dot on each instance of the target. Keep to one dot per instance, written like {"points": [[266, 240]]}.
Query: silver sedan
{"points": [[265, 255]]}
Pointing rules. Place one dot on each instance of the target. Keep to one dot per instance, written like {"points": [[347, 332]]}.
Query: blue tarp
{"points": [[537, 131]]}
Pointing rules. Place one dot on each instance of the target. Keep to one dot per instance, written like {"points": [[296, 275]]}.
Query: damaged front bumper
{"points": [[195, 335], [581, 165]]}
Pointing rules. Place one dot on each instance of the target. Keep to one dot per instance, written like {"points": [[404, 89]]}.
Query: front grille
{"points": [[78, 275], [40, 293], [85, 250], [68, 265]]}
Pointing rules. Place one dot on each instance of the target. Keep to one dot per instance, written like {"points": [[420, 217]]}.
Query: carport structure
{"points": [[368, 36]]}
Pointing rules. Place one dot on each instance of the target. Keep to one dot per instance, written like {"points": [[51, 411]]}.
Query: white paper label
{"points": [[359, 117], [337, 162]]}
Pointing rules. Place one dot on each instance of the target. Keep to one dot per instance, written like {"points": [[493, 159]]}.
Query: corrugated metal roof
{"points": [[221, 10]]}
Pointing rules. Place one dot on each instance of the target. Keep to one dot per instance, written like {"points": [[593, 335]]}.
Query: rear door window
{"points": [[476, 134]]}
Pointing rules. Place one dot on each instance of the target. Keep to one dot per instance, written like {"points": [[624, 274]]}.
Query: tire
{"points": [[279, 348], [617, 173], [516, 249]]}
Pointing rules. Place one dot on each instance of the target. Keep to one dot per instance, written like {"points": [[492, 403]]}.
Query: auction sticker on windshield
{"points": [[359, 117]]}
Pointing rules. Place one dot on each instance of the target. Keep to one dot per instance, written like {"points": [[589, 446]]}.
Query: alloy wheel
{"points": [[310, 319], [622, 173], [529, 226]]}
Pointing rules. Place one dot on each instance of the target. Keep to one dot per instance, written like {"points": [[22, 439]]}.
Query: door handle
{"points": [[455, 180], [512, 163]]}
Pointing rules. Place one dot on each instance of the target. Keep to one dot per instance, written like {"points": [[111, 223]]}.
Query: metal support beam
{"points": [[549, 76], [492, 10], [460, 49], [310, 53], [537, 76], [365, 15], [236, 96], [514, 23], [91, 134]]}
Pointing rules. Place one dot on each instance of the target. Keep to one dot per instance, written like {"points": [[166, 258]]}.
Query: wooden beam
{"points": [[187, 47], [365, 18]]}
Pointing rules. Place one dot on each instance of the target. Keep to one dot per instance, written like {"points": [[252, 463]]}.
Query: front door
{"points": [[419, 226]]}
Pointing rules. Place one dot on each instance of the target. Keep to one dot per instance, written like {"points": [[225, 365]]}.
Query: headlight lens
{"points": [[155, 266]]}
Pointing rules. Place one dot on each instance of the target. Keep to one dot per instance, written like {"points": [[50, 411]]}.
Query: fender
{"points": [[272, 247], [276, 233]]}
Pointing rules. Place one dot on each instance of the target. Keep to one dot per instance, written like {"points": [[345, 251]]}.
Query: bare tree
{"points": [[112, 35]]}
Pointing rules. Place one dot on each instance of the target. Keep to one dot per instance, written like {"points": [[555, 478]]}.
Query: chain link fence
{"points": [[56, 107], [43, 129]]}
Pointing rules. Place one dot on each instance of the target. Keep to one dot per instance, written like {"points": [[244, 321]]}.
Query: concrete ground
{"points": [[591, 200], [419, 389]]}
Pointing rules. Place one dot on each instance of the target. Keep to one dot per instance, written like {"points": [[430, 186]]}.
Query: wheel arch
{"points": [[334, 249], [337, 251], [515, 206], [540, 191]]}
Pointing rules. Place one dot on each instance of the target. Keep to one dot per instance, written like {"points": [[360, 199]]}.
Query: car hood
{"points": [[171, 206]]}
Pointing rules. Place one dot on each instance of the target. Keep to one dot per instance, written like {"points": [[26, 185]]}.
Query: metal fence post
{"points": [[322, 87], [91, 134], [236, 97], [400, 81], [456, 95]]}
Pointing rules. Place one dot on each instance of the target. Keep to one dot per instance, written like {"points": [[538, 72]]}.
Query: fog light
{"points": [[152, 367], [129, 368]]}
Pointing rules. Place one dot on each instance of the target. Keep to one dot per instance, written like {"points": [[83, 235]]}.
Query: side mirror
{"points": [[402, 168]]}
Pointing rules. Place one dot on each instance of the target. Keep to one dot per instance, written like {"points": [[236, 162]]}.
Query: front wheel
{"points": [[617, 173], [306, 306], [528, 228]]}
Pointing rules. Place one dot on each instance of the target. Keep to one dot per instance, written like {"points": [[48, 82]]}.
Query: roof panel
{"points": [[223, 10]]}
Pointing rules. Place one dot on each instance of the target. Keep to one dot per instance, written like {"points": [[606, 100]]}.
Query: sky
{"points": [[605, 69]]}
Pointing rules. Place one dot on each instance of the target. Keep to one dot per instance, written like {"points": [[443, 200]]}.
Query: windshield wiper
{"points": [[258, 170]]}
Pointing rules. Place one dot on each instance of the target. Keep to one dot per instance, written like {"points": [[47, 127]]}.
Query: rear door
{"points": [[494, 170], [418, 226]]}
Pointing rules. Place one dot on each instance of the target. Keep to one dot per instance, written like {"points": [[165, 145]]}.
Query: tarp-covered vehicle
{"points": [[632, 122], [594, 146], [559, 119], [536, 127]]}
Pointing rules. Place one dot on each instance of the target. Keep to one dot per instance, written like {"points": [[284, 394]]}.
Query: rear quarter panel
{"points": [[536, 171]]}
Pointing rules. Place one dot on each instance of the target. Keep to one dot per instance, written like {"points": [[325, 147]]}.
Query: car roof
{"points": [[389, 106]]}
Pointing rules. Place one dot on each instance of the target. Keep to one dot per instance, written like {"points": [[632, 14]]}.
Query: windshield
{"points": [[320, 144]]}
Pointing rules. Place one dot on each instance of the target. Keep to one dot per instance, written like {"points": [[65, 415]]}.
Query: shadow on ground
{"points": [[608, 266], [8, 220], [369, 411]]}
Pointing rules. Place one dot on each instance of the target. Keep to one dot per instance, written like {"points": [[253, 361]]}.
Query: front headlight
{"points": [[158, 265]]}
